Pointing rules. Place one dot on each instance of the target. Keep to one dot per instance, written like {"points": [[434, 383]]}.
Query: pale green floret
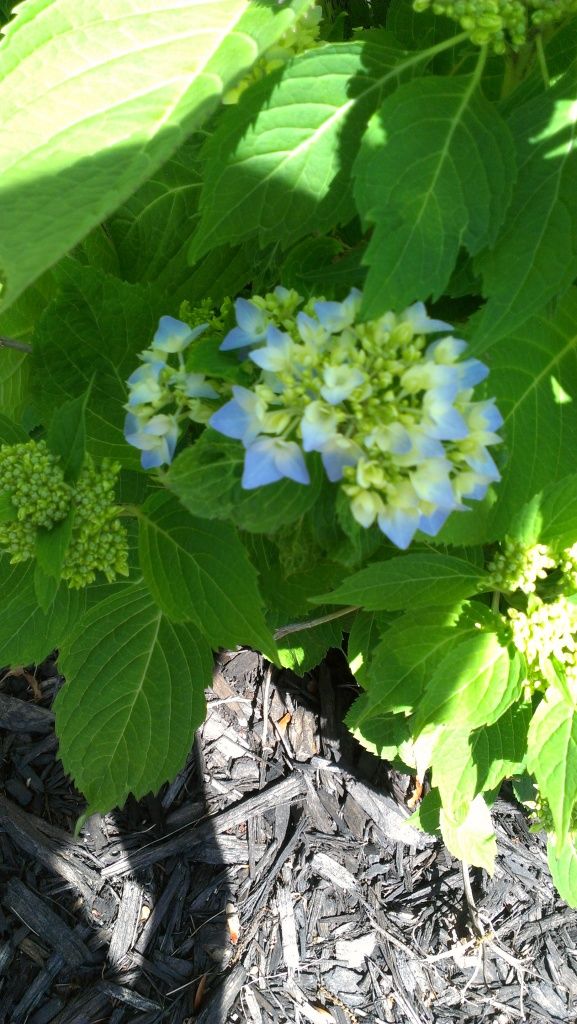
{"points": [[518, 566], [99, 541], [500, 23], [547, 630], [568, 566]]}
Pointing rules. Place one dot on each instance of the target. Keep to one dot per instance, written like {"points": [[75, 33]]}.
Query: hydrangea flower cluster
{"points": [[301, 36], [391, 413], [500, 22], [546, 630], [32, 479], [161, 395], [519, 566]]}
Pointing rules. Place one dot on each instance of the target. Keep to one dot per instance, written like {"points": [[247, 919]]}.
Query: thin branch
{"points": [[295, 627], [18, 345]]}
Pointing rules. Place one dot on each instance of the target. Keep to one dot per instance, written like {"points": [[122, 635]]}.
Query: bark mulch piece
{"points": [[274, 880]]}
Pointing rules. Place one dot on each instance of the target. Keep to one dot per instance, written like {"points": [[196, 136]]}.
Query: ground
{"points": [[274, 881]]}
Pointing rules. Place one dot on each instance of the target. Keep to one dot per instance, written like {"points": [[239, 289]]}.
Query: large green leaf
{"points": [[552, 757], [499, 750], [206, 476], [93, 331], [95, 97], [17, 324], [133, 697], [534, 379], [535, 258], [473, 685], [410, 581], [435, 171], [27, 634], [279, 163], [199, 571], [364, 636], [454, 772]]}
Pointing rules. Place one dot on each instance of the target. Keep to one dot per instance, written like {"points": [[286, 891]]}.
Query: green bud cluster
{"points": [[546, 630], [542, 818], [33, 480], [31, 476], [99, 540], [500, 23], [518, 566]]}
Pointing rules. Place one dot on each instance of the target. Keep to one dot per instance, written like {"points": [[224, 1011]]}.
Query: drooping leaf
{"points": [[535, 258], [10, 432], [278, 165], [95, 98], [473, 685], [134, 695], [93, 331], [534, 379], [562, 861], [50, 551], [552, 757], [435, 171], [199, 571], [454, 772], [409, 581], [473, 839]]}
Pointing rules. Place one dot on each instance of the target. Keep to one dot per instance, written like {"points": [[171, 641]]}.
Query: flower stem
{"points": [[296, 627]]}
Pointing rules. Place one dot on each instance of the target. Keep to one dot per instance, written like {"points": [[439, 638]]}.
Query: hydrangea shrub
{"points": [[288, 336]]}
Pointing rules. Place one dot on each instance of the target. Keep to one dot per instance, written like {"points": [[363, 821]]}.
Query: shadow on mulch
{"points": [[274, 880]]}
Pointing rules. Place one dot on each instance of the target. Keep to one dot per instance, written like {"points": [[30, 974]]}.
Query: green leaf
{"points": [[383, 735], [266, 509], [126, 715], [558, 512], [409, 581], [10, 432], [364, 636], [17, 323], [552, 757], [535, 258], [51, 546], [499, 750], [473, 685], [94, 329], [435, 171], [45, 588], [562, 861], [454, 772], [66, 436], [95, 98], [534, 379], [199, 571], [404, 660], [27, 634], [279, 162], [205, 476], [472, 840]]}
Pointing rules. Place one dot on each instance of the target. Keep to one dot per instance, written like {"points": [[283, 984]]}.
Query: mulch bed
{"points": [[274, 880]]}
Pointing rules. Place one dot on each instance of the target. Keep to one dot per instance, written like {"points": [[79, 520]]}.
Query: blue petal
{"points": [[155, 457], [173, 335], [290, 461], [236, 338], [433, 523], [400, 527], [472, 372], [230, 420], [250, 318], [259, 468], [334, 461]]}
